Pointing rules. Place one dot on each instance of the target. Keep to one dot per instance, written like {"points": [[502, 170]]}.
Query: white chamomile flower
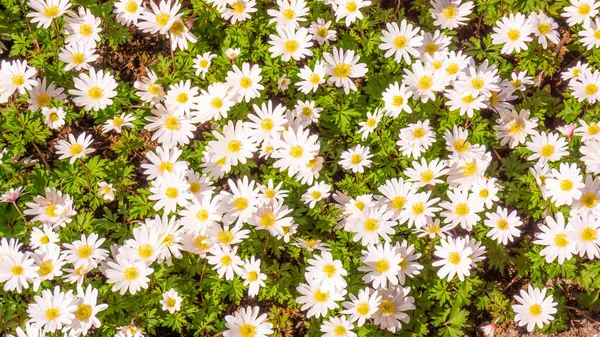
{"points": [[171, 301], [534, 308], [513, 33]]}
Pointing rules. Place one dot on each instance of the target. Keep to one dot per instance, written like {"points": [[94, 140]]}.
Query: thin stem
{"points": [[87, 176], [383, 146], [37, 149], [37, 46], [203, 269], [57, 39], [21, 214], [173, 59], [266, 246]]}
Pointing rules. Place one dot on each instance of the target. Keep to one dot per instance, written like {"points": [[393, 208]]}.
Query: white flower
{"points": [[356, 159], [46, 11], [455, 257], [317, 300], [350, 9], [553, 236], [449, 14], [534, 308], [245, 82], [402, 42], [290, 43], [342, 66], [171, 301], [513, 33], [503, 225], [94, 91], [53, 310], [75, 148], [246, 322]]}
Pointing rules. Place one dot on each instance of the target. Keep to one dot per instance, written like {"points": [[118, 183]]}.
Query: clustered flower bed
{"points": [[323, 168]]}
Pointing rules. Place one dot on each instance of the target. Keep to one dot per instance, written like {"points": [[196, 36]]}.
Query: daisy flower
{"points": [[418, 208], [342, 66], [43, 237], [424, 173], [87, 308], [372, 224], [240, 11], [587, 130], [565, 185], [86, 252], [545, 28], [170, 129], [182, 98], [52, 310], [169, 192], [409, 265], [118, 123], [247, 322], [171, 301], [148, 90], [586, 87], [462, 209], [311, 244], [41, 95], [54, 117], [321, 32], [54, 208], [362, 307], [455, 255], [513, 33], [449, 14], [402, 42], [77, 56], [546, 147], [202, 62], [127, 275], [128, 11], [17, 270], [350, 10], [534, 308], [46, 11], [503, 225], [16, 76], [94, 91], [580, 11], [315, 193], [252, 275], [513, 128], [584, 231], [106, 191], [337, 327], [391, 312], [396, 99], [290, 43], [295, 150], [370, 124], [422, 82], [74, 148], [82, 28], [590, 197], [553, 236], [356, 159], [225, 261], [160, 17], [245, 82], [232, 53], [289, 13], [311, 78], [382, 265], [164, 163], [179, 34], [318, 301]]}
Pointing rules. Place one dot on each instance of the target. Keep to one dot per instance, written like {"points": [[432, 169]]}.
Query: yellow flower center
{"points": [[172, 123], [484, 193], [85, 29], [200, 244], [593, 129], [342, 70], [182, 98], [16, 270], [216, 103], [171, 302], [502, 225], [584, 9], [83, 312], [452, 68], [45, 240], [44, 99], [462, 209], [78, 58], [225, 237], [177, 28], [339, 331], [426, 176], [370, 123], [288, 14], [590, 89], [52, 313], [195, 187], [329, 270], [371, 224], [85, 251], [566, 185], [153, 89], [46, 268], [51, 11], [513, 34], [17, 80], [269, 193], [351, 6], [171, 192], [252, 276], [310, 243], [245, 82], [267, 219], [398, 203], [167, 240], [588, 234], [54, 116], [547, 150], [131, 6], [76, 149], [450, 12], [95, 93], [166, 166], [535, 310], [363, 308], [203, 63], [454, 258], [461, 145], [291, 46], [431, 48], [118, 121], [515, 127], [418, 207], [51, 210], [397, 101], [267, 124], [234, 145], [296, 151], [560, 240], [314, 79], [240, 203], [315, 194], [145, 251], [131, 273], [425, 82], [468, 99], [162, 19], [202, 215], [247, 330], [356, 159], [387, 307], [470, 168], [477, 83], [400, 42], [226, 260], [589, 200], [321, 296]]}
